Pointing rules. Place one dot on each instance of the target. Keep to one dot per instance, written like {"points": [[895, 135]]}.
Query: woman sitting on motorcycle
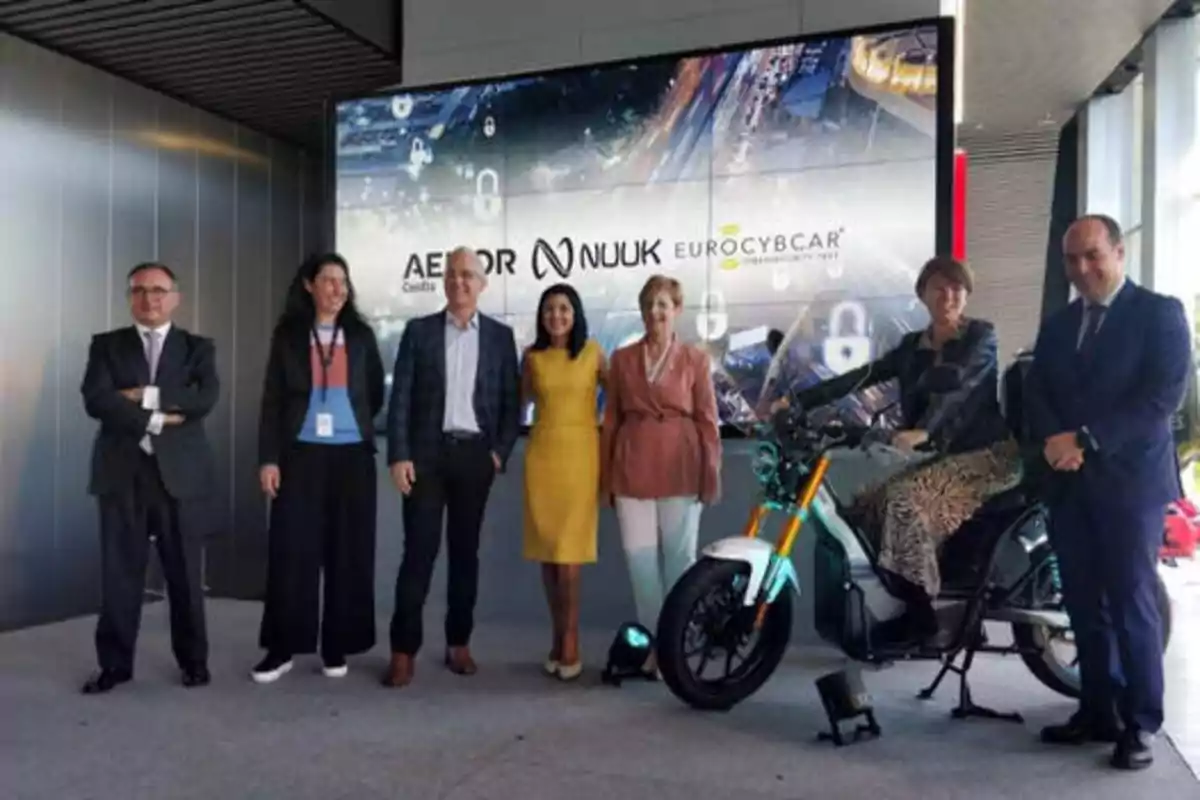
{"points": [[948, 377]]}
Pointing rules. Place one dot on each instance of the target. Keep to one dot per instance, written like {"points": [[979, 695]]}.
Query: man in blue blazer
{"points": [[1108, 373], [453, 420]]}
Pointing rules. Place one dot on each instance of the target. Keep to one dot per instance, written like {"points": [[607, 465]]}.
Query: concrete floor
{"points": [[511, 733], [1183, 662]]}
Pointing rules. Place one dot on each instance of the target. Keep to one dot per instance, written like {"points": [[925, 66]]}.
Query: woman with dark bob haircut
{"points": [[561, 373], [948, 376], [316, 443]]}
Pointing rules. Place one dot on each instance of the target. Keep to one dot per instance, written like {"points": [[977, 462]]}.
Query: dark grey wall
{"points": [[95, 175], [374, 20]]}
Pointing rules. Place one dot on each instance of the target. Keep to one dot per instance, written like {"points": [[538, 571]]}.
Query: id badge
{"points": [[325, 425]]}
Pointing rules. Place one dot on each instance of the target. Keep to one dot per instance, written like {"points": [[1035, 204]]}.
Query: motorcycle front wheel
{"points": [[1049, 652], [705, 623]]}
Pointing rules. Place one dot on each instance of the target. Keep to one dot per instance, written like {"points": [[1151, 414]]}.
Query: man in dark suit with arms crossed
{"points": [[453, 419], [1108, 372], [150, 385]]}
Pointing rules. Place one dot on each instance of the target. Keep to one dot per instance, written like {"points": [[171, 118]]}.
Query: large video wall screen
{"points": [[792, 186]]}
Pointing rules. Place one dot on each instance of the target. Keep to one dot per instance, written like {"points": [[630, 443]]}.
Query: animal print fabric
{"points": [[914, 512]]}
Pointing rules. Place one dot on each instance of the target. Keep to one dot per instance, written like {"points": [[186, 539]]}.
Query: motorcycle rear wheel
{"points": [[729, 620], [1036, 649]]}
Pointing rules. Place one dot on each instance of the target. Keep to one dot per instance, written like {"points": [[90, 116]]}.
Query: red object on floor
{"points": [[1182, 530]]}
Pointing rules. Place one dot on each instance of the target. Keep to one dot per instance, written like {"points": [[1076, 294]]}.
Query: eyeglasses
{"points": [[156, 292]]}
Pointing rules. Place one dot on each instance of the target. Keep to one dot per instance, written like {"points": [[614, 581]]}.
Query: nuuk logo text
{"points": [[568, 255]]}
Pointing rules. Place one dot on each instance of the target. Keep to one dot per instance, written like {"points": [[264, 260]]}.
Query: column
{"points": [[1107, 151], [1170, 171]]}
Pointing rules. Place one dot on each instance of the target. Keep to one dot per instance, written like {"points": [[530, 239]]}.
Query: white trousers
{"points": [[659, 538]]}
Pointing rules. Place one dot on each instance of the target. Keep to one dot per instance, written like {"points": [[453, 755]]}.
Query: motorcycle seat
{"points": [[964, 556]]}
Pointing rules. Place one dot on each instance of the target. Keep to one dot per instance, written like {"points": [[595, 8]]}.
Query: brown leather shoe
{"points": [[459, 661], [400, 671]]}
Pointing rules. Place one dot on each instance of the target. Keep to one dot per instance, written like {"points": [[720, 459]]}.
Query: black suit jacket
{"points": [[959, 418], [187, 385], [418, 400], [287, 386]]}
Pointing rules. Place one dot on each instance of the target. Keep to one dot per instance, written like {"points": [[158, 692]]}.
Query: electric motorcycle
{"points": [[733, 610]]}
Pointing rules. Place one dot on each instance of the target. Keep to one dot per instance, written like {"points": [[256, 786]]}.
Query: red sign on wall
{"points": [[958, 206]]}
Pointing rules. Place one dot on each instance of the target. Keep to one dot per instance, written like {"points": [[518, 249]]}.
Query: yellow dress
{"points": [[562, 459]]}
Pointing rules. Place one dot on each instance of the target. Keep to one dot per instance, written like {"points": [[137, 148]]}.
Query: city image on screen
{"points": [[789, 186]]}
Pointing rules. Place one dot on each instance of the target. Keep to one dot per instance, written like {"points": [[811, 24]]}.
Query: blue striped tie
{"points": [[1093, 315]]}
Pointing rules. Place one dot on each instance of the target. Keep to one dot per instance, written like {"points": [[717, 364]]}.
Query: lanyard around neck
{"points": [[325, 356]]}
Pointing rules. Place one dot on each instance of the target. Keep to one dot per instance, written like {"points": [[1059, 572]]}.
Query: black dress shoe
{"points": [[1081, 729], [196, 676], [1133, 751], [105, 681]]}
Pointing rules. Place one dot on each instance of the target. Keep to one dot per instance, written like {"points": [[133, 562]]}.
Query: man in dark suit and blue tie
{"points": [[1108, 373], [453, 420], [151, 385]]}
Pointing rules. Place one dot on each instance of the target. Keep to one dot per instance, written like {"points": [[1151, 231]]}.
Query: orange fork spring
{"points": [[793, 526], [754, 524]]}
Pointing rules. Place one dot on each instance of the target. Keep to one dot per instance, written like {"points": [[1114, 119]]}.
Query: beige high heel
{"points": [[569, 672], [550, 667]]}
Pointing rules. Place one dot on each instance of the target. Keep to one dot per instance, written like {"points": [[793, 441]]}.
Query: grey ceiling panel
{"points": [[268, 64]]}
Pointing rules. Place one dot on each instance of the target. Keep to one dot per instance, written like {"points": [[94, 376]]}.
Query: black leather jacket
{"points": [[962, 415]]}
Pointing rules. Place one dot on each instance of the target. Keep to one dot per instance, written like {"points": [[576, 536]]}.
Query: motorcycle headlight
{"points": [[766, 462]]}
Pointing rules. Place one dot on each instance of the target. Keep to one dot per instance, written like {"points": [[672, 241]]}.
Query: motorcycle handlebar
{"points": [[793, 427]]}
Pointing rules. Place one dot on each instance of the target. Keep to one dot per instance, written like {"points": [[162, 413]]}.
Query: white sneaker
{"points": [[335, 669], [271, 669]]}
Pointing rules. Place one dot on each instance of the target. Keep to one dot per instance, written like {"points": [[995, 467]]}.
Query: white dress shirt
{"points": [[150, 400], [462, 363]]}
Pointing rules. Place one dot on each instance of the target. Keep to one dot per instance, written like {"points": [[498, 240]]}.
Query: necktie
{"points": [[1093, 315], [152, 352]]}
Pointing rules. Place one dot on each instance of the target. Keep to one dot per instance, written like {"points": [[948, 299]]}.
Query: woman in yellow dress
{"points": [[561, 373]]}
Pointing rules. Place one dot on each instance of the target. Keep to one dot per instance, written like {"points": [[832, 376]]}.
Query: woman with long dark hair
{"points": [[316, 442], [561, 374]]}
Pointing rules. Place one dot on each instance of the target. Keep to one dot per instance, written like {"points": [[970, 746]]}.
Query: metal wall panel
{"points": [[252, 322], [31, 320], [100, 174], [216, 253]]}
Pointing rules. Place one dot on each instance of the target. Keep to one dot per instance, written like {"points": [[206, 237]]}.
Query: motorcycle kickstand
{"points": [[966, 707]]}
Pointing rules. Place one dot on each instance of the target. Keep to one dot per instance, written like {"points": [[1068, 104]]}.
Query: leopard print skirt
{"points": [[915, 512]]}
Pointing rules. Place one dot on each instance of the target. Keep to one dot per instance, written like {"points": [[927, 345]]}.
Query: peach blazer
{"points": [[662, 439]]}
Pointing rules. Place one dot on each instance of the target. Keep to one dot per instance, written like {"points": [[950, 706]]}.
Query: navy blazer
{"points": [[960, 417], [418, 399], [1124, 396]]}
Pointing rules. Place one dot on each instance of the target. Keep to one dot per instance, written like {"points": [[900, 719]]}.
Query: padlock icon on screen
{"points": [[847, 347], [489, 127], [488, 202], [713, 322], [417, 152]]}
